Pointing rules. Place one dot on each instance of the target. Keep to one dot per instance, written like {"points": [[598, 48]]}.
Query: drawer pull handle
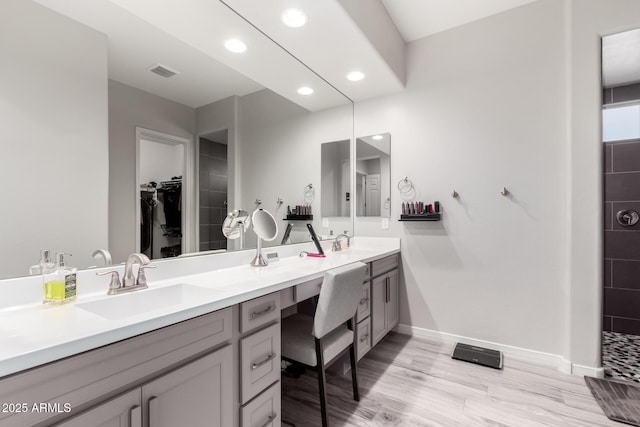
{"points": [[363, 301], [267, 359], [270, 419], [263, 312], [364, 338]]}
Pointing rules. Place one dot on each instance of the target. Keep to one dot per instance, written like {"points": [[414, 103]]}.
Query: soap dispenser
{"points": [[44, 266], [60, 284]]}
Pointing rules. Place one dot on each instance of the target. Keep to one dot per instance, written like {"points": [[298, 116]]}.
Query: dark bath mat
{"points": [[619, 401]]}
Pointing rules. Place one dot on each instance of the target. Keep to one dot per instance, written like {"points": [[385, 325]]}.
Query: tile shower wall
{"points": [[213, 194], [621, 244]]}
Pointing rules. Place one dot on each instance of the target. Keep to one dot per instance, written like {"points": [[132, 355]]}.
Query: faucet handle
{"points": [[142, 278], [114, 284]]}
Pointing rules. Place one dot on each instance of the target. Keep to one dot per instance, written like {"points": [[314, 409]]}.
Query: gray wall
{"points": [[53, 107], [130, 108], [484, 108]]}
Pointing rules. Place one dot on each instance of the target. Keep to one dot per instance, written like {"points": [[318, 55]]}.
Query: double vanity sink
{"points": [[179, 289]]}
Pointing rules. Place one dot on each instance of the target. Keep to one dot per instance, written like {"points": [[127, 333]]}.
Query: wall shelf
{"points": [[421, 217], [298, 218]]}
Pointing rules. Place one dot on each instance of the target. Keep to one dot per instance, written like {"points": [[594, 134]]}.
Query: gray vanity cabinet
{"points": [[196, 394], [122, 411], [384, 304]]}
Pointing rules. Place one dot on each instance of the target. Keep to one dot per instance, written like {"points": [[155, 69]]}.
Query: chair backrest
{"points": [[339, 298]]}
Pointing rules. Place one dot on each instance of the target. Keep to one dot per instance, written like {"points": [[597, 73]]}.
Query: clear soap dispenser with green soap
{"points": [[60, 284]]}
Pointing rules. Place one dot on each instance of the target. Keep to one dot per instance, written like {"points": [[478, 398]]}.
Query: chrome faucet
{"points": [[337, 244], [129, 282]]}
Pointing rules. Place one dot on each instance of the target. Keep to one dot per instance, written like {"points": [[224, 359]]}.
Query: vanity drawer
{"points": [[287, 297], [363, 338], [364, 306], [264, 410], [308, 289], [259, 361], [259, 311], [383, 265]]}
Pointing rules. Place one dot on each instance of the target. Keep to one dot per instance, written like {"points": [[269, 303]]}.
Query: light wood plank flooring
{"points": [[406, 381]]}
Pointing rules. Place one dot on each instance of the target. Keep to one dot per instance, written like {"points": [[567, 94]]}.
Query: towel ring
{"points": [[308, 190], [405, 185]]}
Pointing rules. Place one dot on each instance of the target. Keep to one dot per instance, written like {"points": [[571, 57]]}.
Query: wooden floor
{"points": [[408, 381]]}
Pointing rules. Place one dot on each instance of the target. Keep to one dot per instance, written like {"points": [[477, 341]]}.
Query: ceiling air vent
{"points": [[163, 71]]}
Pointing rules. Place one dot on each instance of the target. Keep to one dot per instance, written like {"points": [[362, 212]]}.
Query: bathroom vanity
{"points": [[194, 349]]}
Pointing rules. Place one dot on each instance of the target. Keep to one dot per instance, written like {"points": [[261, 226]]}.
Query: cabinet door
{"points": [[378, 302], [122, 411], [392, 307], [195, 395]]}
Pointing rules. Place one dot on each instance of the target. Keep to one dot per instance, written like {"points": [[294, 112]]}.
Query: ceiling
{"points": [[340, 36], [416, 19], [621, 59]]}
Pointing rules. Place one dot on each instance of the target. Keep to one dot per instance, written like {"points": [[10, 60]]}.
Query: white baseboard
{"points": [[524, 354]]}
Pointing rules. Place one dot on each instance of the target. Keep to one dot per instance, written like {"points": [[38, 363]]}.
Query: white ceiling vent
{"points": [[163, 71]]}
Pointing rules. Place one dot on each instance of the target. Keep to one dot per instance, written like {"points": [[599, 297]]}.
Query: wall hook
{"points": [[454, 194], [279, 201], [504, 191], [258, 202]]}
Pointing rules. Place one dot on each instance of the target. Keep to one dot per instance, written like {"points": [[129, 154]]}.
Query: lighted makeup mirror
{"points": [[266, 228]]}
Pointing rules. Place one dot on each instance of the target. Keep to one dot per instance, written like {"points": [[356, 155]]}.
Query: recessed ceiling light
{"points": [[294, 18], [355, 76], [235, 45], [305, 90], [377, 137]]}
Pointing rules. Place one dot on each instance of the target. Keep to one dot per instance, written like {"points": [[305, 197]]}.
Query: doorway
{"points": [[621, 228], [162, 180]]}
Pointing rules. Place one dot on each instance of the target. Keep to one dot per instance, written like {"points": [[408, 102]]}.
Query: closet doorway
{"points": [[162, 204]]}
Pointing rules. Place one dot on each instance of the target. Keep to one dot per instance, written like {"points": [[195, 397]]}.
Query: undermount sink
{"points": [[147, 300]]}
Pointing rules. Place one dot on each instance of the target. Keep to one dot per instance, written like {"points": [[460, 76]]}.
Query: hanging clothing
{"points": [[172, 206], [146, 220]]}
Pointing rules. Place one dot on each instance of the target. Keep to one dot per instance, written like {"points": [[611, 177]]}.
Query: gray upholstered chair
{"points": [[318, 341]]}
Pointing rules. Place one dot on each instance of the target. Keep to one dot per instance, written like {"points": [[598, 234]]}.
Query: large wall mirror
{"points": [[373, 176], [336, 179], [128, 130]]}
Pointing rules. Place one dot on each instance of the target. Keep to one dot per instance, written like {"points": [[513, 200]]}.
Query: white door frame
{"points": [[188, 199]]}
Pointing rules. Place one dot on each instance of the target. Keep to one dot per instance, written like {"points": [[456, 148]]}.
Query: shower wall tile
{"points": [[626, 156], [626, 326], [625, 93], [606, 323], [622, 303], [622, 186], [608, 216], [626, 274], [618, 206], [622, 245], [606, 167], [607, 273]]}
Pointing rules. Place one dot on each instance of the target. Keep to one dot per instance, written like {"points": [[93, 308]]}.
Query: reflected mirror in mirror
{"points": [[79, 80], [336, 179], [373, 175]]}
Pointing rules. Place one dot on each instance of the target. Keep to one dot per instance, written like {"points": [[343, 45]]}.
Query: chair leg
{"points": [[322, 383], [354, 373]]}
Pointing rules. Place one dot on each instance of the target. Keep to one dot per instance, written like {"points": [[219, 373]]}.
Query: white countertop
{"points": [[35, 334]]}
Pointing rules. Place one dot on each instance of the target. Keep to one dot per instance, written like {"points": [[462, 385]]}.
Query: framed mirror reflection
{"points": [[373, 175]]}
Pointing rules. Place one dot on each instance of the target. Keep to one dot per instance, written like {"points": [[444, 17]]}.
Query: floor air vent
{"points": [[477, 355]]}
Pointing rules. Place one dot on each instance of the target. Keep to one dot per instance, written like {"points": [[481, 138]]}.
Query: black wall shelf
{"points": [[421, 217], [298, 218]]}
